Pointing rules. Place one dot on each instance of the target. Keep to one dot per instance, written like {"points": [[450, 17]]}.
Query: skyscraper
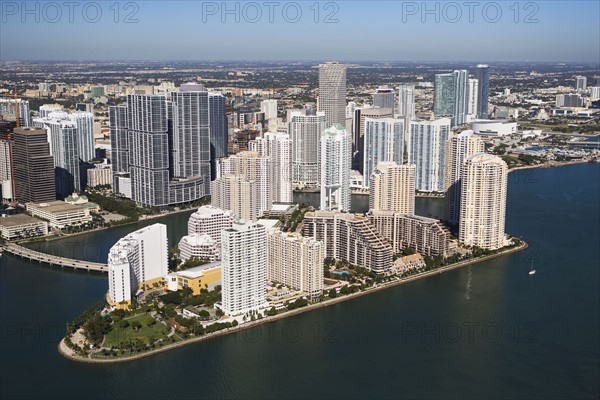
{"points": [[580, 82], [244, 268], [472, 109], [6, 167], [278, 147], [384, 141], [460, 147], [392, 188], [482, 74], [33, 166], [384, 97], [269, 108], [137, 261], [451, 96], [358, 140], [10, 108], [161, 146], [335, 169], [406, 102], [219, 137], [296, 261], [252, 167], [237, 194], [483, 201], [305, 128], [332, 92], [85, 135], [427, 150], [62, 136]]}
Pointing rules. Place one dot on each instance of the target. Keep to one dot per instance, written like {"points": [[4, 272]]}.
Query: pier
{"points": [[50, 259]]}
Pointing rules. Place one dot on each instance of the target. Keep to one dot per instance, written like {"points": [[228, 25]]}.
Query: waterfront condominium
{"points": [[392, 188], [359, 127], [252, 167], [427, 150], [211, 221], [332, 92], [6, 167], [237, 194], [351, 238], [219, 138], [451, 96], [460, 147], [482, 74], [137, 262], [384, 97], [244, 268], [426, 236], [384, 141], [33, 166], [483, 201], [62, 136], [296, 261], [278, 148], [305, 128], [162, 144], [335, 169], [85, 134]]}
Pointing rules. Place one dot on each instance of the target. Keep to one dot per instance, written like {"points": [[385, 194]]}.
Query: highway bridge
{"points": [[62, 262]]}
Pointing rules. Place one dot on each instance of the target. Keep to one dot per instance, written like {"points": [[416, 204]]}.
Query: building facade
{"points": [[332, 92], [33, 166], [384, 141], [392, 188], [482, 74], [278, 148], [335, 169], [244, 268], [305, 128], [427, 150], [451, 96], [211, 221], [483, 201]]}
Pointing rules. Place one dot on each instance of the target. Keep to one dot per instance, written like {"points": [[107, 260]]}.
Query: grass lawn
{"points": [[118, 335]]}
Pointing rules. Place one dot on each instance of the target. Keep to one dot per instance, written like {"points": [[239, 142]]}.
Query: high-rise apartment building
{"points": [[359, 128], [427, 150], [392, 188], [244, 268], [210, 220], [33, 166], [580, 82], [269, 108], [384, 97], [332, 92], [335, 169], [85, 134], [483, 201], [296, 261], [62, 136], [349, 237], [278, 148], [482, 74], [10, 108], [305, 128], [139, 260], [253, 167], [384, 141], [406, 102], [6, 167], [473, 96], [451, 96], [237, 194], [460, 147], [218, 126]]}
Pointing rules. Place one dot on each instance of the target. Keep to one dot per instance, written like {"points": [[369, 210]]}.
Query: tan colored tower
{"points": [[392, 188], [483, 201], [460, 147]]}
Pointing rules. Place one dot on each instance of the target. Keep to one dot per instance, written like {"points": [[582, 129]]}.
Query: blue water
{"points": [[485, 331]]}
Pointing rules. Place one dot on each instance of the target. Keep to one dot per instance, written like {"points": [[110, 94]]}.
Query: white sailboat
{"points": [[531, 270]]}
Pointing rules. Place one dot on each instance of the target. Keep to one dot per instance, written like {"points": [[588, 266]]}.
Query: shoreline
{"points": [[66, 352]]}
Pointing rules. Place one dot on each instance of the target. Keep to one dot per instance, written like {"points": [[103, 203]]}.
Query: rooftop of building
{"points": [[198, 239], [18, 219], [209, 211], [198, 271], [56, 206]]}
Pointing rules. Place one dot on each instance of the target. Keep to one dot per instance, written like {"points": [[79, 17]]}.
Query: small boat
{"points": [[531, 270]]}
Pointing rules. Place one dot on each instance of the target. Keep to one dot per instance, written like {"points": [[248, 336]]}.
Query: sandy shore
{"points": [[68, 353]]}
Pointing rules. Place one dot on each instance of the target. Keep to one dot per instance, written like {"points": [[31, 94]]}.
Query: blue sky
{"points": [[357, 30]]}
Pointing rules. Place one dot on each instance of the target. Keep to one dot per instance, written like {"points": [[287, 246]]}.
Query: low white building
{"points": [[101, 175], [493, 127], [59, 214], [21, 226]]}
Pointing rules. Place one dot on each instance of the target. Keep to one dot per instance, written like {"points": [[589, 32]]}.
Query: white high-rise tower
{"points": [[335, 169]]}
